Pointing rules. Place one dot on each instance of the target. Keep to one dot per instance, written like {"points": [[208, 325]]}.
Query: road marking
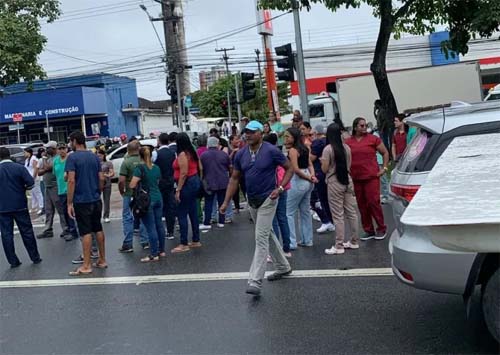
{"points": [[227, 276]]}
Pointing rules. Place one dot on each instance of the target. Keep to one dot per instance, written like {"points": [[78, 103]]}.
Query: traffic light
{"points": [[286, 63], [248, 86]]}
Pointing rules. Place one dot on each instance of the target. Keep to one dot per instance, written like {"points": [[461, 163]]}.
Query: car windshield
{"points": [[494, 97], [316, 111], [91, 144]]}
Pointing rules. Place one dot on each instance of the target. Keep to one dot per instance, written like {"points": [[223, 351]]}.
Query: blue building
{"points": [[96, 104]]}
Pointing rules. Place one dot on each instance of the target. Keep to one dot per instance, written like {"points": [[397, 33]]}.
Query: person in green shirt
{"points": [[149, 176], [277, 128], [126, 174], [59, 165], [411, 133]]}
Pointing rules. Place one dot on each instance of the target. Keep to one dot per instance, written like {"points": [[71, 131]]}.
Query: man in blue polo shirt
{"points": [[257, 162], [14, 207]]}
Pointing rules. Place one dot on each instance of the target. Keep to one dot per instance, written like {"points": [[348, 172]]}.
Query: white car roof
{"points": [[459, 114]]}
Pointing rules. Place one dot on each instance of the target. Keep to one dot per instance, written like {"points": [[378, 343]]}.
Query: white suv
{"points": [[416, 260]]}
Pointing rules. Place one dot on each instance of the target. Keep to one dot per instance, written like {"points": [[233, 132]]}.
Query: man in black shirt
{"points": [[165, 158]]}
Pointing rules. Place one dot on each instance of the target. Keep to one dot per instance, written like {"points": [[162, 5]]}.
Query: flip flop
{"points": [[100, 266], [79, 272]]}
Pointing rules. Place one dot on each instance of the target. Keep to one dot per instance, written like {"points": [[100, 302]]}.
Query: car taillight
{"points": [[405, 191], [406, 275]]}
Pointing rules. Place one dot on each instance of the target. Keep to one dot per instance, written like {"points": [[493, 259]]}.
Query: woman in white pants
{"points": [[31, 164]]}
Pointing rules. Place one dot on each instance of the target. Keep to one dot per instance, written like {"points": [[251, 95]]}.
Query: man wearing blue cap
{"points": [[257, 162]]}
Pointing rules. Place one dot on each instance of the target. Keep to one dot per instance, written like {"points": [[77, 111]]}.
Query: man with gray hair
{"points": [[216, 169], [52, 202]]}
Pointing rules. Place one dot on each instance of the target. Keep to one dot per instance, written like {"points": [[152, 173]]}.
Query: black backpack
{"points": [[141, 200]]}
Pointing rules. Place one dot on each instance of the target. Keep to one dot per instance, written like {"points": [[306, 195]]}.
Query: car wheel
{"points": [[491, 304]]}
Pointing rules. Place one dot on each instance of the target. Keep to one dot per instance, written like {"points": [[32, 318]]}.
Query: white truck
{"points": [[411, 88]]}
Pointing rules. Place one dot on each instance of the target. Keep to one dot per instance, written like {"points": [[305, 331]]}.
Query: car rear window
{"points": [[418, 152]]}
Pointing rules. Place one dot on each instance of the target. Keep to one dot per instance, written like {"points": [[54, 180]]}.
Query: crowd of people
{"points": [[287, 177]]}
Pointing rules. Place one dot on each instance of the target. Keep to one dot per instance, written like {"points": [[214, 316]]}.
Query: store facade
{"points": [[95, 104]]}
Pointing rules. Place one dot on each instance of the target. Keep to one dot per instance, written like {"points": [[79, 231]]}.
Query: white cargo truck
{"points": [[411, 88]]}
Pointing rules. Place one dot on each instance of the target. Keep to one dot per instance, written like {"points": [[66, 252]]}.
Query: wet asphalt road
{"points": [[351, 315]]}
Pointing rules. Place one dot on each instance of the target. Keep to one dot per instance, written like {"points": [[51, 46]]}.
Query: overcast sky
{"points": [[116, 36]]}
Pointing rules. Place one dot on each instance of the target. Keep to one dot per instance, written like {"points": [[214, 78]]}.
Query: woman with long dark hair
{"points": [[336, 163], [299, 196], [149, 175], [366, 175], [186, 170]]}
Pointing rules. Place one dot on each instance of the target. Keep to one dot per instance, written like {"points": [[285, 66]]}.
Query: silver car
{"points": [[416, 261]]}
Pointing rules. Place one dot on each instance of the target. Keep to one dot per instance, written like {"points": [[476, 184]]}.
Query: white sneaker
{"points": [[334, 251], [204, 227], [315, 216], [326, 227], [220, 225], [349, 245], [107, 220]]}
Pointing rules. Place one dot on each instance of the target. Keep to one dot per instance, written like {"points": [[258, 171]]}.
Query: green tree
{"points": [[210, 102], [464, 19], [21, 40]]}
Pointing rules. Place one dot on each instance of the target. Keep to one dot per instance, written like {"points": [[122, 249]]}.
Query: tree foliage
{"points": [[464, 19], [210, 102], [21, 40]]}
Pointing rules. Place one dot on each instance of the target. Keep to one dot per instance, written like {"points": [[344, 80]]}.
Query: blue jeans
{"points": [[63, 199], [280, 222], [128, 224], [299, 198], [154, 225], [384, 184], [187, 207], [25, 227], [229, 210], [210, 200], [321, 193]]}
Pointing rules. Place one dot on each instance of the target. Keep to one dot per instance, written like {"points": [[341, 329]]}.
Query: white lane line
{"points": [[226, 276]]}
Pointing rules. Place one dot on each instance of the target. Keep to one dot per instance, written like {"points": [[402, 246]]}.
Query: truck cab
{"points": [[323, 109]]}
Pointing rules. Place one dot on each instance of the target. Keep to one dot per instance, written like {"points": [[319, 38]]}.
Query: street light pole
{"points": [[300, 62]]}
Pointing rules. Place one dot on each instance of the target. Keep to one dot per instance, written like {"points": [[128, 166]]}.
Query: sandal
{"points": [[150, 258], [79, 272], [100, 266], [194, 245], [180, 249]]}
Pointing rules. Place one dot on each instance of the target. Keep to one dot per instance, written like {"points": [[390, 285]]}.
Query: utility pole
{"points": [[301, 73], [257, 52], [226, 58]]}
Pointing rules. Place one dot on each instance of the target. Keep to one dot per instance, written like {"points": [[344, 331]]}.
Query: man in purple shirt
{"points": [[216, 168], [257, 162]]}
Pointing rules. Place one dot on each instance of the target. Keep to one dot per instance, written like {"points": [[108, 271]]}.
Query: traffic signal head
{"points": [[286, 63], [248, 86]]}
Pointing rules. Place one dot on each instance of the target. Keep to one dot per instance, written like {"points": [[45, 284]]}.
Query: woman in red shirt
{"points": [[188, 187], [365, 174]]}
